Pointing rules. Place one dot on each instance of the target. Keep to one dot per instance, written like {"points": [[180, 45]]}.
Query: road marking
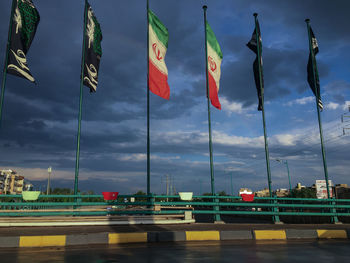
{"points": [[202, 235], [42, 241], [116, 238], [270, 234]]}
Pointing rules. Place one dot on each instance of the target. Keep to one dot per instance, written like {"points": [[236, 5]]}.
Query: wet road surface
{"points": [[228, 251]]}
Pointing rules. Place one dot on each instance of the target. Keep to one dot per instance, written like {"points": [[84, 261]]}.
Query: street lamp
{"points": [[286, 163]]}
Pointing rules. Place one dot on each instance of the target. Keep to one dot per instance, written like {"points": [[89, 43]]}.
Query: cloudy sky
{"points": [[40, 122]]}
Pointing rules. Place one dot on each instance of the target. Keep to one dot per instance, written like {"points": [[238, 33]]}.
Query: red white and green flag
{"points": [[158, 44], [214, 66]]}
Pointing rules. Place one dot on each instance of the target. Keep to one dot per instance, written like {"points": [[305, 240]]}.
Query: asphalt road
{"points": [[246, 251]]}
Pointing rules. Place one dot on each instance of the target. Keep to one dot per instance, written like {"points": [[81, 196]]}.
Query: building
{"points": [[342, 191], [282, 192], [299, 186], [11, 182], [263, 193]]}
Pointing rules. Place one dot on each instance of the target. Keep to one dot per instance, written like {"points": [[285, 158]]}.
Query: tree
{"points": [[222, 193], [140, 193], [304, 193]]}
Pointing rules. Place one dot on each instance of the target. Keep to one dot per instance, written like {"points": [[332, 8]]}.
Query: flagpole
{"points": [[208, 96], [3, 84], [263, 107], [80, 104], [314, 74], [148, 135]]}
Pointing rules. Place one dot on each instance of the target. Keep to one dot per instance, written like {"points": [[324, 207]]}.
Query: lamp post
{"points": [[286, 163], [231, 186], [49, 170]]}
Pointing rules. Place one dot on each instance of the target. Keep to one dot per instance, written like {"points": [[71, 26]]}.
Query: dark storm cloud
{"points": [[55, 55], [329, 19]]}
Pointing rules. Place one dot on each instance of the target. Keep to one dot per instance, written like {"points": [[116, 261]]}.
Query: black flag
{"points": [[311, 71], [25, 21], [93, 50], [252, 44]]}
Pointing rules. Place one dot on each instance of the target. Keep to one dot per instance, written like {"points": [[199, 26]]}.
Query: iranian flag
{"points": [[214, 63], [158, 44]]}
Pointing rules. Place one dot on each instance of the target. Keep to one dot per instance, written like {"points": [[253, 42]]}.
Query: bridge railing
{"points": [[87, 205]]}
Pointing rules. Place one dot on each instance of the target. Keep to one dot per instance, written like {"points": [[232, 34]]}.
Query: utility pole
{"points": [[167, 185], [49, 170], [346, 121], [286, 163], [171, 186]]}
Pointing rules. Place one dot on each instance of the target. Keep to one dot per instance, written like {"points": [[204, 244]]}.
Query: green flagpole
{"points": [[3, 84], [315, 75], [263, 107], [208, 96], [80, 104], [148, 139]]}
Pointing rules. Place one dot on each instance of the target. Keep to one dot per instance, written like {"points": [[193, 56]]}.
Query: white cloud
{"points": [[332, 106], [301, 101], [233, 107], [225, 139], [136, 157], [140, 157], [285, 139]]}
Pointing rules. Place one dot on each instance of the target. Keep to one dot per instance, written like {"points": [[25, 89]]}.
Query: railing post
{"points": [[151, 199], [334, 218], [276, 217], [217, 217], [77, 201]]}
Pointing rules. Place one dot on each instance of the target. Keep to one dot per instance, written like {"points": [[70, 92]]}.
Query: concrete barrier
{"points": [[236, 235], [87, 239], [325, 233], [301, 233], [167, 236], [42, 241], [269, 234], [118, 238], [9, 242], [202, 235]]}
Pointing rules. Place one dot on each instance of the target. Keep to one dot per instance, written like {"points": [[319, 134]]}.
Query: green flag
{"points": [[253, 45], [93, 50], [25, 22], [312, 70]]}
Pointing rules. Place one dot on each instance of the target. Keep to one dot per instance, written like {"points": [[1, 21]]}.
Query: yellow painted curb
{"points": [[202, 235], [42, 241], [270, 234], [117, 238], [323, 233]]}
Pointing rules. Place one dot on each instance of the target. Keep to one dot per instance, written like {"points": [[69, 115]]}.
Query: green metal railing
{"points": [[95, 205]]}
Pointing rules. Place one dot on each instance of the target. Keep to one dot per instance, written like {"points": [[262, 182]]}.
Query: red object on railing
{"points": [[248, 197], [110, 195]]}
